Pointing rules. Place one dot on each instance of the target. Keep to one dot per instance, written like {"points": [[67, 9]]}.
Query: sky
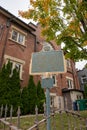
{"points": [[14, 5]]}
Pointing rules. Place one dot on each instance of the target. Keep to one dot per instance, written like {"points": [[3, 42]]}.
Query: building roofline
{"points": [[16, 19], [30, 23]]}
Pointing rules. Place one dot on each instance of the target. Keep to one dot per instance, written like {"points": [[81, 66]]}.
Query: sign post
{"points": [[47, 64], [47, 83], [48, 108]]}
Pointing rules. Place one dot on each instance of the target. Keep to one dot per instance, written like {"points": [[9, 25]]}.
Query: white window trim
{"points": [[19, 31], [68, 62], [82, 80], [55, 80], [15, 61], [53, 95], [46, 45], [69, 78], [18, 37]]}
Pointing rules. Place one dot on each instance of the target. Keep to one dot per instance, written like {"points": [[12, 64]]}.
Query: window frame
{"points": [[54, 78], [15, 61], [19, 31], [13, 67], [84, 79], [68, 63], [47, 47], [52, 100], [17, 37], [70, 84]]}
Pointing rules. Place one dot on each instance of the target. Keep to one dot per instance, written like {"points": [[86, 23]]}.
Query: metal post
{"points": [[44, 105], [48, 108], [11, 110], [1, 112], [18, 113], [36, 120]]}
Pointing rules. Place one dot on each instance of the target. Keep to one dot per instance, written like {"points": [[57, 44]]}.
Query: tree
{"points": [[4, 84], [64, 21], [40, 97], [32, 98], [14, 92], [85, 65], [25, 101], [9, 87]]}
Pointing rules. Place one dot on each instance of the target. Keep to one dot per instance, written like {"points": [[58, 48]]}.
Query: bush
{"points": [[9, 87], [40, 98]]}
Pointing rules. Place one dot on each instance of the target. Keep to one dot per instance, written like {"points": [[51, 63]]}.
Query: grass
{"points": [[58, 122]]}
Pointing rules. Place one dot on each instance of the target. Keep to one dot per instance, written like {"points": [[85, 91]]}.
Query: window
{"points": [[47, 46], [18, 67], [14, 35], [79, 97], [18, 36], [68, 63], [16, 63], [52, 100], [54, 80], [84, 79], [70, 83]]}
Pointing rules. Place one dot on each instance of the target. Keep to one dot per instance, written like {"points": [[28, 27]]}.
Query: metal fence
{"points": [[60, 120]]}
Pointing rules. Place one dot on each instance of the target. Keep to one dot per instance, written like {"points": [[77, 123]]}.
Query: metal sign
{"points": [[51, 62], [47, 83]]}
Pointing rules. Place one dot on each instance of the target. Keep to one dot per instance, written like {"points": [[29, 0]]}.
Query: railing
{"points": [[60, 120], [9, 124]]}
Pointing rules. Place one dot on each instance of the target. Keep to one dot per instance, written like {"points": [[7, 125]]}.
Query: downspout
{"points": [[35, 48], [73, 74], [8, 23]]}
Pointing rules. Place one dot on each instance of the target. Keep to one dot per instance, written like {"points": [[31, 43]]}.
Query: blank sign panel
{"points": [[52, 62]]}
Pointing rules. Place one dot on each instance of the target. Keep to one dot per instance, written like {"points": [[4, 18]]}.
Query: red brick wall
{"points": [[16, 50]]}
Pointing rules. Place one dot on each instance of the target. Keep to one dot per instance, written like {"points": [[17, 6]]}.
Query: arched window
{"points": [[47, 46]]}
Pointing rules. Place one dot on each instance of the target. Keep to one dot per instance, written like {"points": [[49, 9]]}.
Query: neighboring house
{"points": [[17, 42], [82, 75]]}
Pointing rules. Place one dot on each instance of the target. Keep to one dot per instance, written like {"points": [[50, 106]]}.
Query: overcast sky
{"points": [[14, 5]]}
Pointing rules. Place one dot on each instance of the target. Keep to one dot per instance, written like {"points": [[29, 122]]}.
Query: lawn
{"points": [[61, 121]]}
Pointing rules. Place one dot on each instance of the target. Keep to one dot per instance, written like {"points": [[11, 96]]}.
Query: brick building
{"points": [[17, 42], [82, 76]]}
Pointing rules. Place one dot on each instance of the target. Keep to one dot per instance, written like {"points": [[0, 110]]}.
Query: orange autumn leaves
{"points": [[40, 10], [44, 12]]}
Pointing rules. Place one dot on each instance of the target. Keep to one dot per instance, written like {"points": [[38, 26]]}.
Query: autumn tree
{"points": [[64, 21]]}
